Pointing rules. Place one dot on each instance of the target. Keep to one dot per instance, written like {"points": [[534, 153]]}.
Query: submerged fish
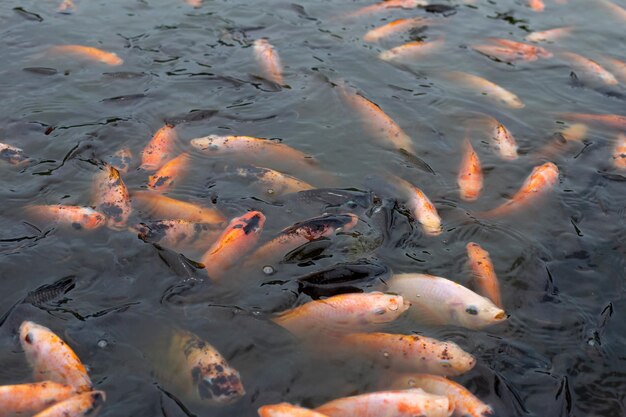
{"points": [[375, 119], [561, 140], [287, 410], [88, 52], [410, 353], [239, 237], [619, 152], [121, 160], [75, 216], [194, 3], [484, 273], [542, 179], [509, 50], [486, 87], [618, 67], [268, 60], [163, 207], [274, 183], [178, 234], [549, 35], [465, 403], [342, 278], [28, 399], [111, 198], [410, 50], [470, 177], [385, 5], [614, 9], [591, 69], [394, 27], [614, 121], [346, 312], [87, 404], [158, 151], [504, 142], [11, 154], [401, 403], [169, 173], [436, 300], [51, 358]]}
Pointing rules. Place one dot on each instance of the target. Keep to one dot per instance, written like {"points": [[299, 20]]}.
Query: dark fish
{"points": [[444, 9], [333, 197], [192, 116], [180, 265], [40, 70], [49, 292], [129, 97], [416, 161], [124, 75], [343, 278], [309, 252], [28, 15]]}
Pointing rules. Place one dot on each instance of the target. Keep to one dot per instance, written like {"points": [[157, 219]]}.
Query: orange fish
{"points": [[401, 403], [87, 404], [194, 3], [561, 140], [11, 154], [275, 183], [484, 273], [28, 399], [549, 35], [614, 9], [483, 87], [523, 48], [383, 126], [240, 236], [541, 180], [66, 7], [178, 234], [111, 197], [121, 160], [386, 5], [501, 53], [268, 59], [614, 121], [159, 149], [163, 207], [88, 52], [470, 178], [287, 410], [618, 67], [465, 403], [169, 173], [76, 216], [536, 5], [504, 142], [394, 27], [591, 69], [51, 358], [619, 152], [420, 205], [411, 50], [410, 353]]}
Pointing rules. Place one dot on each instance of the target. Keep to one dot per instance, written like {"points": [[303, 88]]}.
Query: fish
{"points": [[66, 7], [486, 87], [164, 207], [385, 5], [484, 273], [111, 197], [202, 372], [299, 234], [437, 300], [88, 52], [561, 140], [502, 53], [275, 183], [121, 160], [618, 67], [400, 403], [178, 234], [342, 278], [11, 154], [28, 399], [619, 152], [410, 353], [470, 177], [51, 358], [420, 205], [394, 27], [550, 35], [615, 10], [268, 60], [158, 151], [542, 179], [76, 216], [411, 50], [239, 237], [591, 69], [465, 403], [614, 121], [194, 3], [377, 121], [523, 50], [504, 142], [87, 404], [345, 312], [537, 5], [287, 410], [173, 170]]}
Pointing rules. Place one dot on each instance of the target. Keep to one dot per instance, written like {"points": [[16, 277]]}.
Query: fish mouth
{"points": [[501, 315]]}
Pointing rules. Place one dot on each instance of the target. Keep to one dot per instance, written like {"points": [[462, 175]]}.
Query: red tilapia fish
{"points": [[345, 312], [484, 273], [536, 5], [163, 207], [504, 142], [111, 197], [401, 403], [178, 234], [160, 148], [377, 121], [614, 121], [508, 50], [268, 60], [273, 182], [395, 27], [470, 177], [386, 5], [550, 35], [299, 234], [440, 301], [194, 3], [482, 87], [420, 205], [51, 358], [287, 410], [411, 50], [28, 399], [75, 216], [240, 236], [88, 52], [619, 152], [465, 403], [590, 69], [173, 171], [409, 353], [541, 180], [11, 154], [87, 404], [66, 7]]}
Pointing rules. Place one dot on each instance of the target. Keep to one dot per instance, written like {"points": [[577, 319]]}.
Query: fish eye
{"points": [[379, 311], [445, 364], [472, 310]]}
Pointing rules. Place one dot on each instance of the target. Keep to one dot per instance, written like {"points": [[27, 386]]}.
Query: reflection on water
{"points": [[115, 298]]}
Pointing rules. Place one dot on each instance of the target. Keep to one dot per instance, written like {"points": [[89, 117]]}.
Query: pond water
{"points": [[560, 260]]}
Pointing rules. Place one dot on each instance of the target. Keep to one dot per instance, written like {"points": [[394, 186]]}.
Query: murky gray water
{"points": [[561, 262]]}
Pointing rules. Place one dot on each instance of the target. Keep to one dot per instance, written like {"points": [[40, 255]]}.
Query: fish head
{"points": [[453, 361], [479, 312], [512, 101], [251, 222], [385, 308], [217, 383], [93, 220], [211, 143], [431, 223], [32, 339]]}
